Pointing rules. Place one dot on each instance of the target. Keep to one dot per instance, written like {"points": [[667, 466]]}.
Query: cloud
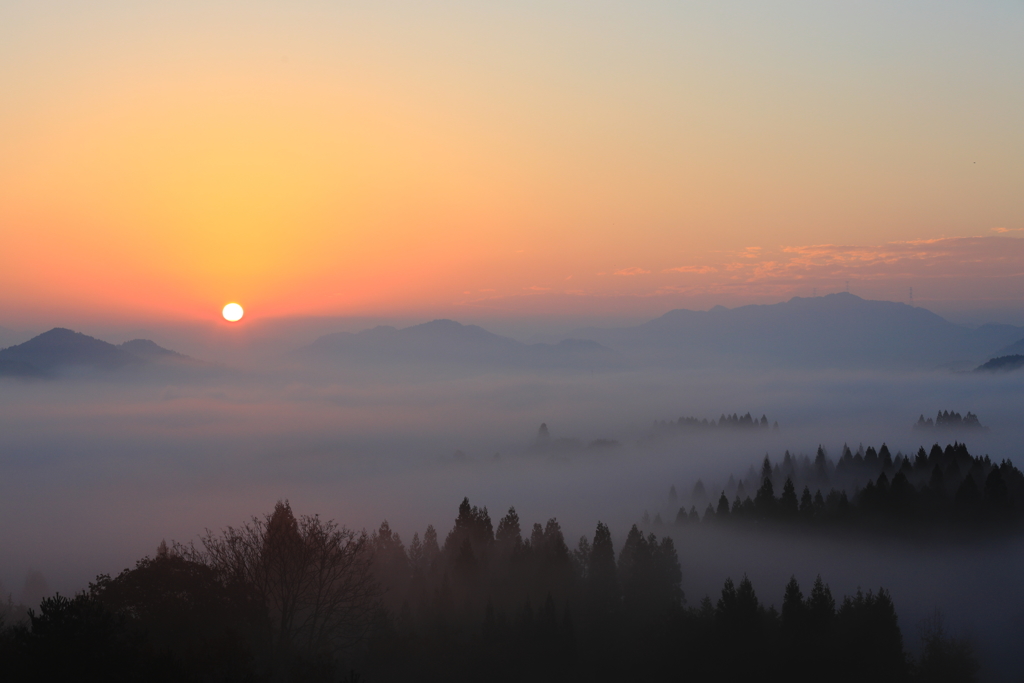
{"points": [[979, 269], [973, 258], [699, 270], [1006, 230]]}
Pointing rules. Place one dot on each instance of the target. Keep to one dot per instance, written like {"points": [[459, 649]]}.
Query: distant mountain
{"points": [[1002, 364], [448, 343], [17, 368], [61, 348], [837, 331], [144, 348], [1014, 349], [9, 337]]}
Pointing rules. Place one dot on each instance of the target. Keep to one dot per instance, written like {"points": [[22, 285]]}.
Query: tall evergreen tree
{"points": [[788, 505], [764, 501], [794, 618], [723, 507], [602, 576]]}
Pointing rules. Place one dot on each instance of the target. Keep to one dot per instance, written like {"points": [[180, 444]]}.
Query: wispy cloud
{"points": [[699, 270], [970, 259], [980, 269]]}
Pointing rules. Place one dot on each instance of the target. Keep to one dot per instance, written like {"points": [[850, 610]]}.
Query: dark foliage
{"points": [[950, 420], [484, 606], [724, 422], [944, 489]]}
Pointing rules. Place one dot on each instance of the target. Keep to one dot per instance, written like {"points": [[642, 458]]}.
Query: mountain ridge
{"points": [[836, 330], [447, 342], [61, 348]]}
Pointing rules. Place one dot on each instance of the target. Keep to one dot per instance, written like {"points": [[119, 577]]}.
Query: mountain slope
{"points": [[838, 330], [448, 343], [145, 348], [1002, 364], [62, 348], [1014, 349]]}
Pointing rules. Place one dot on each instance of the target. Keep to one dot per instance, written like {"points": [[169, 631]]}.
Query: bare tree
{"points": [[313, 578]]}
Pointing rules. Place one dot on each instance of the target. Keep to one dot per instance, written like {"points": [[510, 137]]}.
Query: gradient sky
{"points": [[330, 158]]}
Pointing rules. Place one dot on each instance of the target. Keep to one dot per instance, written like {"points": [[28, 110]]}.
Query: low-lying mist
{"points": [[96, 471]]}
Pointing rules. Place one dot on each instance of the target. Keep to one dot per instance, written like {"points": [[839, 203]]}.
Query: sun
{"points": [[232, 313]]}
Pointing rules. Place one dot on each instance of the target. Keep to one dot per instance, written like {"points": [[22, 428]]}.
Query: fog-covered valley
{"points": [[99, 466]]}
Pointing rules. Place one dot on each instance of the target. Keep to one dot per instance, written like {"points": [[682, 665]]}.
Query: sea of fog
{"points": [[96, 471]]}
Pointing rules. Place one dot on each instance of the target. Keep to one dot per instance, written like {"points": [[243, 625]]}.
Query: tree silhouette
{"points": [[945, 658], [764, 501], [788, 506], [314, 579], [723, 507]]}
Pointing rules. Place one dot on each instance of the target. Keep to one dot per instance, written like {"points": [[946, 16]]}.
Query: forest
{"points": [[724, 422], [287, 598], [944, 490], [950, 419]]}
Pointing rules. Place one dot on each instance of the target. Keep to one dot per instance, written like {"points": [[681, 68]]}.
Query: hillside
{"points": [[1002, 364], [61, 348], [836, 331], [448, 343]]}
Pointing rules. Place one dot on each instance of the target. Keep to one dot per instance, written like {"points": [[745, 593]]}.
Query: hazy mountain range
{"points": [[834, 331], [448, 343]]}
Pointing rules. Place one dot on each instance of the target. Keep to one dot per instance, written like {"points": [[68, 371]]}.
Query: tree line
{"points": [[732, 422], [285, 598], [949, 419], [944, 488]]}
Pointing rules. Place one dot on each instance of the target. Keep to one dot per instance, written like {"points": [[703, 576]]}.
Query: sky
{"points": [[504, 160]]}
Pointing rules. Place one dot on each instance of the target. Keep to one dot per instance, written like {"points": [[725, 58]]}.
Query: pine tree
{"points": [[723, 507], [682, 517], [793, 612], [806, 503], [509, 536], [787, 502], [764, 501], [602, 577]]}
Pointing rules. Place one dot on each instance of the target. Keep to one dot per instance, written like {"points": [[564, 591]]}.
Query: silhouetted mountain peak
{"points": [[63, 347]]}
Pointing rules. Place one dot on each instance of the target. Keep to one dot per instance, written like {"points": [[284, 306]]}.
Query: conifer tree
{"points": [[764, 501], [806, 503], [602, 578], [793, 611], [723, 507], [787, 502]]}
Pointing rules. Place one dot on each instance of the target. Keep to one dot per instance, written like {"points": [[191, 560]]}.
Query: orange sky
{"points": [[421, 159]]}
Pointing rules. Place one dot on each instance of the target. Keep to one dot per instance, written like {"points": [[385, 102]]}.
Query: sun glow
{"points": [[232, 313]]}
